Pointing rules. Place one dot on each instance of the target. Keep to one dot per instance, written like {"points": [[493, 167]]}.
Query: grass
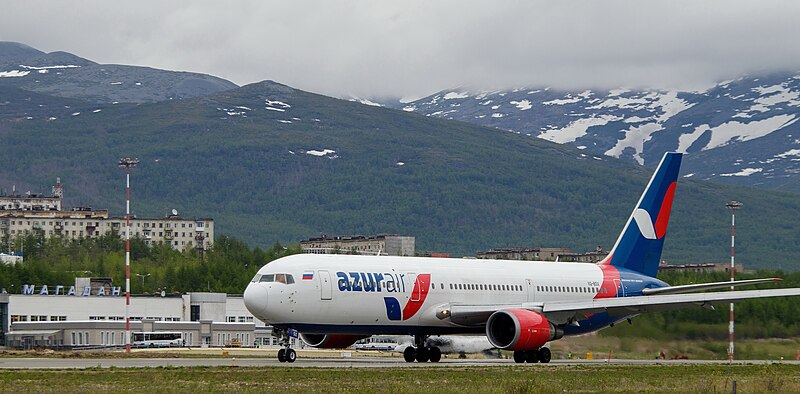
{"points": [[643, 349], [513, 379]]}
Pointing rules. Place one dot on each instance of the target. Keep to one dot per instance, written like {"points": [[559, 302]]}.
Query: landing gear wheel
{"points": [[531, 356], [422, 354], [409, 354], [291, 355], [282, 355], [435, 354], [544, 355], [519, 356]]}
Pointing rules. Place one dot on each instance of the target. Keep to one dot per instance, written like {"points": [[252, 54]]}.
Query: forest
{"points": [[226, 268]]}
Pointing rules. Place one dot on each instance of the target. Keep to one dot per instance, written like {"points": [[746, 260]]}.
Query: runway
{"points": [[361, 362]]}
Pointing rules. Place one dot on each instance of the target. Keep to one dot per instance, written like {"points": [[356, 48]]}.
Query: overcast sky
{"points": [[414, 48]]}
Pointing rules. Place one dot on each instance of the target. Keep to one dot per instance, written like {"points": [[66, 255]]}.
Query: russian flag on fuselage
{"points": [[639, 246]]}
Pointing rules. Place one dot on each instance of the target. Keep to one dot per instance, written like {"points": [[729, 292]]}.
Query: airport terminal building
{"points": [[69, 318]]}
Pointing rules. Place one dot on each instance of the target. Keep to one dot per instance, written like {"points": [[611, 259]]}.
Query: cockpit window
{"points": [[267, 278], [287, 279], [256, 278]]}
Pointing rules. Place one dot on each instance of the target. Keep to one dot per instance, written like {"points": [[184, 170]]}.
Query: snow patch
{"points": [[617, 92], [497, 115], [275, 109], [48, 67], [635, 138], [410, 108], [569, 100], [456, 95], [13, 73], [370, 103], [400, 163], [732, 131], [637, 119], [793, 152], [744, 172], [276, 104], [323, 153], [576, 129], [523, 105]]}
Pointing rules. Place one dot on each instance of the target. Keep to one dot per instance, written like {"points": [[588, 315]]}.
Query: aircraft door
{"points": [[410, 281], [325, 286], [620, 287], [531, 290]]}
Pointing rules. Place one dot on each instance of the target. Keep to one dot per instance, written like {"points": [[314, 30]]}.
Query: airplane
{"points": [[331, 301]]}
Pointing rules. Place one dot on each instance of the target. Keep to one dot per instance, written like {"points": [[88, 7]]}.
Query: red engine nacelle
{"points": [[520, 329], [331, 341]]}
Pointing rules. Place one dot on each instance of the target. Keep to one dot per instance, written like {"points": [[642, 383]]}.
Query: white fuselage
{"points": [[325, 302]]}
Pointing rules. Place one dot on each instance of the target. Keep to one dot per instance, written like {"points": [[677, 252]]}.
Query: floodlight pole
{"points": [[128, 163], [733, 205]]}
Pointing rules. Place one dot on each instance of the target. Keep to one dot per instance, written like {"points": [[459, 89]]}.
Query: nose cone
{"points": [[255, 300]]}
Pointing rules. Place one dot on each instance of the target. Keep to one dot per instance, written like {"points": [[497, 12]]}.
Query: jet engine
{"points": [[520, 329], [331, 341]]}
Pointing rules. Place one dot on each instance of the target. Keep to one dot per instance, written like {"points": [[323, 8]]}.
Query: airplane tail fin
{"points": [[639, 246]]}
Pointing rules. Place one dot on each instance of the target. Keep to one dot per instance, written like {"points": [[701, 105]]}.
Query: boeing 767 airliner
{"points": [[334, 300]]}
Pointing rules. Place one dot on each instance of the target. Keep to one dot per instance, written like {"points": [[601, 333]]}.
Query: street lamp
{"points": [[143, 276], [733, 205]]}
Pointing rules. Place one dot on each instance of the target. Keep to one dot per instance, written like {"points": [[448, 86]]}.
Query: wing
{"points": [[567, 311]]}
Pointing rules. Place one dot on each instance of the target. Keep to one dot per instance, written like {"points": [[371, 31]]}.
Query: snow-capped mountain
{"points": [[742, 130], [63, 74]]}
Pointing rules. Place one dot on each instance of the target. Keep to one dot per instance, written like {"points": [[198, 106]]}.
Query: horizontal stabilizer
{"points": [[706, 286]]}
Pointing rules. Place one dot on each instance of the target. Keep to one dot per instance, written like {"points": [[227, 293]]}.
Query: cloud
{"points": [[413, 48]]}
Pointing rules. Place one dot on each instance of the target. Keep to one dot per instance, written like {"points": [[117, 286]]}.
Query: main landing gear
{"points": [[286, 353], [532, 356], [421, 352]]}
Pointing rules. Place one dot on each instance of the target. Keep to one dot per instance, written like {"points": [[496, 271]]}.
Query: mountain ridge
{"points": [[272, 163], [66, 75], [637, 125]]}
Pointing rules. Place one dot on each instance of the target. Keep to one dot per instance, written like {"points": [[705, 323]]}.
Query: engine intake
{"points": [[520, 329], [331, 341]]}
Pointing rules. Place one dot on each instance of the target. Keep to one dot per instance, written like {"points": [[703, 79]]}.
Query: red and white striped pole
{"points": [[733, 205], [127, 163]]}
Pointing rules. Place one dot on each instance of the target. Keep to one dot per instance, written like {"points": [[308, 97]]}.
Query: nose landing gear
{"points": [[286, 353], [422, 353]]}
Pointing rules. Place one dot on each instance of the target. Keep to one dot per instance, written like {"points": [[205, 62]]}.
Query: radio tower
{"points": [[127, 163], [733, 205]]}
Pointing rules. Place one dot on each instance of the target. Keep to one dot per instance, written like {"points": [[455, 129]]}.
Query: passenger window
{"points": [[441, 286]]}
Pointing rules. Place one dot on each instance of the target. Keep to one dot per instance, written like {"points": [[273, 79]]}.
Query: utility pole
{"points": [[128, 163], [733, 205]]}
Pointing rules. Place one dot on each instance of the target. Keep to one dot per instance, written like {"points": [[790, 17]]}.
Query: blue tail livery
{"points": [[639, 246]]}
